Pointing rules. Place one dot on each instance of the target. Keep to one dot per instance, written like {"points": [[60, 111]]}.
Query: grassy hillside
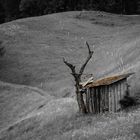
{"points": [[16, 102], [27, 114], [60, 124], [36, 46], [24, 106], [32, 106]]}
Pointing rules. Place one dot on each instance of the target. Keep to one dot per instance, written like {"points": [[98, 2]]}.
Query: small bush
{"points": [[2, 49]]}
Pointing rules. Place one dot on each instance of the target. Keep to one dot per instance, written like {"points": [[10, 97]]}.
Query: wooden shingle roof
{"points": [[108, 80]]}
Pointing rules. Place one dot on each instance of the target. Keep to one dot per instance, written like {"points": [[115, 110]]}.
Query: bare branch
{"points": [[72, 67], [90, 53], [74, 74]]}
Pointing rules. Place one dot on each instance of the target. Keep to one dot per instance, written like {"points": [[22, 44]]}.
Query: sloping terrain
{"points": [[35, 48], [61, 124], [16, 102], [34, 109], [27, 114], [25, 107]]}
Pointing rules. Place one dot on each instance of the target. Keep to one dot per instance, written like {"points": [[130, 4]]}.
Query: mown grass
{"points": [[112, 126]]}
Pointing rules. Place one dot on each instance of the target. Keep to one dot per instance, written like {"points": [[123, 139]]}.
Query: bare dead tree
{"points": [[77, 78]]}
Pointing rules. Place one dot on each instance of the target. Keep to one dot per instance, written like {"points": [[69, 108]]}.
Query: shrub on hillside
{"points": [[2, 49]]}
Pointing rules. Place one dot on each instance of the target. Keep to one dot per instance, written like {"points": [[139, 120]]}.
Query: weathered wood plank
{"points": [[99, 91], [110, 98], [107, 98], [116, 97], [113, 98], [91, 98], [90, 111], [123, 88], [119, 94], [87, 100], [101, 98], [95, 100]]}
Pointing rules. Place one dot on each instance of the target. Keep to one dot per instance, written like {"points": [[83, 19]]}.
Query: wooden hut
{"points": [[104, 94]]}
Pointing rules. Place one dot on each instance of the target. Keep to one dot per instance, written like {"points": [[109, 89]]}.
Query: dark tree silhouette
{"points": [[11, 8], [25, 8], [2, 14]]}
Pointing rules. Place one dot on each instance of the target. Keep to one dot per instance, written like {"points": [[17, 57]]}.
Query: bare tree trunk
{"points": [[80, 100], [77, 78]]}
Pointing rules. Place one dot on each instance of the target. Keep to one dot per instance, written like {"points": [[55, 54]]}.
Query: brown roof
{"points": [[108, 80]]}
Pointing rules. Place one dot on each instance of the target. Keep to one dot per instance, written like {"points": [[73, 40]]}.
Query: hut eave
{"points": [[108, 80]]}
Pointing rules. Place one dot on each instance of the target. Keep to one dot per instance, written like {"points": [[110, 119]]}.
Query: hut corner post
{"points": [[77, 78]]}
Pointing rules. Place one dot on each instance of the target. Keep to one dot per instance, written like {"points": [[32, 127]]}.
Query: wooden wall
{"points": [[105, 98]]}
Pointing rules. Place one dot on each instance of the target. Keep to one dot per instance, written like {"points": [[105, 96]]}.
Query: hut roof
{"points": [[107, 80]]}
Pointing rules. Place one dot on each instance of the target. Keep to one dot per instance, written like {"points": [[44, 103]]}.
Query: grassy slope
{"points": [[35, 48], [41, 119], [16, 102], [24, 106], [61, 124]]}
